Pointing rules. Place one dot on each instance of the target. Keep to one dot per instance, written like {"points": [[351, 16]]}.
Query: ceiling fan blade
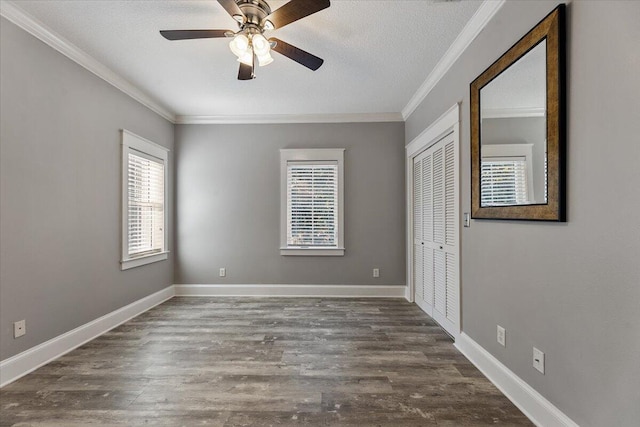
{"points": [[245, 72], [294, 10], [300, 56], [193, 34], [232, 9]]}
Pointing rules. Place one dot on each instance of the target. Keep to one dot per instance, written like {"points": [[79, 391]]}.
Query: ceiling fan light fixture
{"points": [[248, 42], [260, 45], [239, 45], [246, 58], [265, 59]]}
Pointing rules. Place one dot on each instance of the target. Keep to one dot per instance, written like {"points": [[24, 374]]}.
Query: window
{"points": [[144, 171], [504, 182], [505, 175], [312, 202]]}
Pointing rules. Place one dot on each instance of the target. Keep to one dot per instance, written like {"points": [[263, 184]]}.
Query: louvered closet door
{"points": [[422, 231], [427, 230], [436, 241], [418, 264]]}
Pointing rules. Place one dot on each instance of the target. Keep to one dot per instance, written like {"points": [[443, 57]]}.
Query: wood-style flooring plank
{"points": [[260, 362]]}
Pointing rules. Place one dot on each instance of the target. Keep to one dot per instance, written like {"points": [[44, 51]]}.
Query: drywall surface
{"points": [[60, 193], [571, 290], [228, 204]]}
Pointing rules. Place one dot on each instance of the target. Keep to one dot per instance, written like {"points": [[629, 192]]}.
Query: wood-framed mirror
{"points": [[518, 141]]}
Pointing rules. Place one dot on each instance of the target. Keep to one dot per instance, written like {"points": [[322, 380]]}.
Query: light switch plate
{"points": [[502, 336], [467, 219], [538, 360]]}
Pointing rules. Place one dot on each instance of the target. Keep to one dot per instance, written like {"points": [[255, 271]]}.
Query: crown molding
{"points": [[36, 28], [506, 113], [290, 118], [478, 21]]}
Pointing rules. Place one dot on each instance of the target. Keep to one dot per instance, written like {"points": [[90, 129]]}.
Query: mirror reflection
{"points": [[513, 130]]}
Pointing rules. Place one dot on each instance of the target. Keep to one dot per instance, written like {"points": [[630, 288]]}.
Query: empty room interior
{"points": [[314, 212]]}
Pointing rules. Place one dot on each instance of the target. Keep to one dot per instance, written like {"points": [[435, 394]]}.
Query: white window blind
{"points": [[145, 216], [504, 181], [312, 201], [312, 204]]}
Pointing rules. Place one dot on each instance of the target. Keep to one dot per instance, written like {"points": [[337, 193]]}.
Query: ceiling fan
{"points": [[249, 44]]}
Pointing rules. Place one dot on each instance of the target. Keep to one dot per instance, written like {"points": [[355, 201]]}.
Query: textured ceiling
{"points": [[377, 53]]}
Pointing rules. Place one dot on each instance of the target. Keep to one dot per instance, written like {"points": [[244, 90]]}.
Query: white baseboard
{"points": [[407, 294], [21, 364], [538, 409], [328, 291]]}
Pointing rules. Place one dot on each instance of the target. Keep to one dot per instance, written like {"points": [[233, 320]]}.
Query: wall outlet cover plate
{"points": [[538, 360], [19, 328]]}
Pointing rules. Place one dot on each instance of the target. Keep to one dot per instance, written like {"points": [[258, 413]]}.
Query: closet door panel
{"points": [[417, 201], [427, 196], [429, 277], [418, 271], [440, 277]]}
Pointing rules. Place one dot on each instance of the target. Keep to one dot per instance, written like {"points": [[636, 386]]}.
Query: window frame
{"points": [[132, 143], [333, 155]]}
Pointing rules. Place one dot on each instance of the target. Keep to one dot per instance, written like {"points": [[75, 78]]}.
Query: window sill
{"points": [[143, 260], [312, 251]]}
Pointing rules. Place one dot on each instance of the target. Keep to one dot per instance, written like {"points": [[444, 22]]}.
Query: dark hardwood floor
{"points": [[262, 362]]}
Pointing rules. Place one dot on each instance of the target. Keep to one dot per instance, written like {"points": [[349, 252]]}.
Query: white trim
{"points": [[435, 132], [37, 29], [143, 260], [315, 251], [506, 113], [28, 361], [478, 21], [291, 118], [264, 290], [407, 294], [538, 409], [506, 150], [447, 124], [139, 143]]}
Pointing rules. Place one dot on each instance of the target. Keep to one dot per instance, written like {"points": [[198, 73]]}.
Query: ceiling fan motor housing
{"points": [[254, 10]]}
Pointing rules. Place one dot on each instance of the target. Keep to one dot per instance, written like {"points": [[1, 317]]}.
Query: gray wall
{"points": [[60, 193], [228, 204], [572, 290]]}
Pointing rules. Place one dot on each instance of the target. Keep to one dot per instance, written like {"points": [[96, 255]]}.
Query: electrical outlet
{"points": [[223, 272], [19, 328], [502, 336], [538, 360], [376, 272]]}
